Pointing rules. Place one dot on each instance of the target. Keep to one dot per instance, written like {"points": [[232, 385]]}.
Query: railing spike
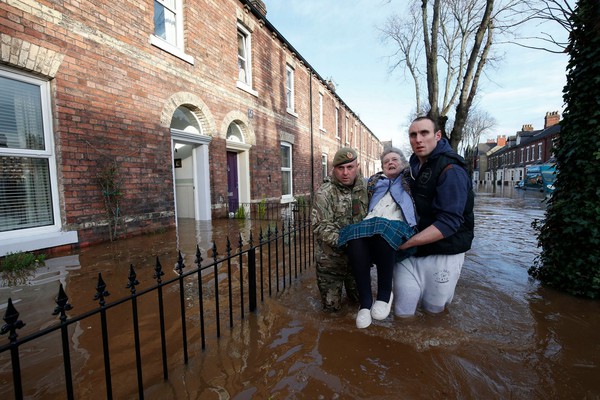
{"points": [[11, 317], [101, 291], [198, 260], [133, 282], [158, 271], [214, 250], [180, 265], [62, 305]]}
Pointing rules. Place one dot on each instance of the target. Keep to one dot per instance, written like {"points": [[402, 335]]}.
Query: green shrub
{"points": [[21, 260], [240, 213], [262, 209]]}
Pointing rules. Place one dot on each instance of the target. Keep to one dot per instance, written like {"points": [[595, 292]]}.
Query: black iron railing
{"points": [[272, 211], [265, 264]]}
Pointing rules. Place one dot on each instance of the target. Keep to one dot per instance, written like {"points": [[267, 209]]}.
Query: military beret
{"points": [[344, 156]]}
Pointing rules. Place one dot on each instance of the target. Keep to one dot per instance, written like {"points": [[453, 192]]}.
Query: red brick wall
{"points": [[111, 88]]}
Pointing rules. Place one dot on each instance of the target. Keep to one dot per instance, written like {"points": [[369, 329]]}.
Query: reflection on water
{"points": [[503, 337]]}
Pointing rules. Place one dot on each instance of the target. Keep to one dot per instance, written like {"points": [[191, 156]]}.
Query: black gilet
{"points": [[423, 190]]}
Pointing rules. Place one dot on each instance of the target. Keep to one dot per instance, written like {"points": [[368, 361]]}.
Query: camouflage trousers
{"points": [[334, 275]]}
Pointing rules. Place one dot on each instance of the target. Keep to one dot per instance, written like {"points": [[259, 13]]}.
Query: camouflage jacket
{"points": [[335, 206]]}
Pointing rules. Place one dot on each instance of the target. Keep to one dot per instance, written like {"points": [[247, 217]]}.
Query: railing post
{"points": [[131, 284], [158, 274], [198, 262], [62, 306], [101, 293], [179, 269], [252, 278], [11, 317], [216, 279], [229, 282]]}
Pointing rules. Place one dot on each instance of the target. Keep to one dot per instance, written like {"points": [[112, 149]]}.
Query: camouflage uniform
{"points": [[335, 206]]}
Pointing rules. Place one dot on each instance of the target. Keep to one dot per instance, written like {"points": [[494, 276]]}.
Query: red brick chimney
{"points": [[501, 141], [552, 118]]}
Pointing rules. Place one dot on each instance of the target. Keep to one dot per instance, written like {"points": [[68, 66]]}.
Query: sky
{"points": [[340, 40]]}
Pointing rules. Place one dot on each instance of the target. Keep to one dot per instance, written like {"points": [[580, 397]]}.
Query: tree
{"points": [[457, 38], [478, 122], [570, 234]]}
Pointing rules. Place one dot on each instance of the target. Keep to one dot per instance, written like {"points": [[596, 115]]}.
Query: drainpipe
{"points": [[312, 149]]}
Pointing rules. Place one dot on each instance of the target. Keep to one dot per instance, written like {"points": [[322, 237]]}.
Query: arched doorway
{"points": [[238, 170], [191, 173]]}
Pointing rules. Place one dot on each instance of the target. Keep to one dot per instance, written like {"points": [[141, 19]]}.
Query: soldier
{"points": [[340, 201]]}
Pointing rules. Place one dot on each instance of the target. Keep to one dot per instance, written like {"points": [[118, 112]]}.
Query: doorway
{"points": [[233, 193]]}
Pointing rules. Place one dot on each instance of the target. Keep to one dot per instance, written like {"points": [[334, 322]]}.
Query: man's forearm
{"points": [[428, 235]]}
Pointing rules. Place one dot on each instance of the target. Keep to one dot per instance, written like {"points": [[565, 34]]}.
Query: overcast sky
{"points": [[340, 40]]}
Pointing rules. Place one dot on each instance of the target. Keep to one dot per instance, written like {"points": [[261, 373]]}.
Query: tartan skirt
{"points": [[394, 232]]}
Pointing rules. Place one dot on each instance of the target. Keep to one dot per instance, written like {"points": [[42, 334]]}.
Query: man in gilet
{"points": [[444, 199]]}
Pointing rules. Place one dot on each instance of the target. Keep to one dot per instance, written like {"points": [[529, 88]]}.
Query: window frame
{"points": [[48, 153], [347, 129], [324, 165], [246, 34], [337, 122], [321, 111], [177, 49], [290, 169], [290, 88]]}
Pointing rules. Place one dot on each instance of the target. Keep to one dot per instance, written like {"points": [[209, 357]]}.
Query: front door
{"points": [[232, 181]]}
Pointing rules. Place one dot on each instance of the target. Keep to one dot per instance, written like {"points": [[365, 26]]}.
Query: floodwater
{"points": [[503, 337]]}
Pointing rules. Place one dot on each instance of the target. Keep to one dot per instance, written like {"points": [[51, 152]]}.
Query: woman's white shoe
{"points": [[381, 309], [363, 319]]}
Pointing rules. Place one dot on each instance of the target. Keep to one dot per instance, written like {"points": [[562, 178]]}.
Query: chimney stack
{"points": [[527, 128], [501, 141], [552, 118], [260, 6]]}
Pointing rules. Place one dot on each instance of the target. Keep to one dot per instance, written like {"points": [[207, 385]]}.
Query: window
{"points": [[28, 180], [286, 170], [289, 87], [183, 119], [244, 57], [347, 123], [234, 133], [321, 111], [324, 165], [539, 151], [337, 122], [522, 152], [165, 20], [168, 28]]}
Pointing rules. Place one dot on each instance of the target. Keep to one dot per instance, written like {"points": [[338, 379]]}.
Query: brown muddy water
{"points": [[503, 337]]}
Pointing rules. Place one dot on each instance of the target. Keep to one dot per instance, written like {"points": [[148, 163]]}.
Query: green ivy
{"points": [[570, 234]]}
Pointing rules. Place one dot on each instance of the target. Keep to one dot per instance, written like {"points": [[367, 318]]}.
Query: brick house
{"points": [[507, 164], [150, 112]]}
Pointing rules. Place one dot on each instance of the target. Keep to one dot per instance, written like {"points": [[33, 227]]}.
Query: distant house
{"points": [[480, 160], [507, 164], [145, 113]]}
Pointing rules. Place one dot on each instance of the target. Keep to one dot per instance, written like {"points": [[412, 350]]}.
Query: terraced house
{"points": [[136, 114]]}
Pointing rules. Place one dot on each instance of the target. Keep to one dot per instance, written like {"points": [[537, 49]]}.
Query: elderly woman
{"points": [[376, 239]]}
